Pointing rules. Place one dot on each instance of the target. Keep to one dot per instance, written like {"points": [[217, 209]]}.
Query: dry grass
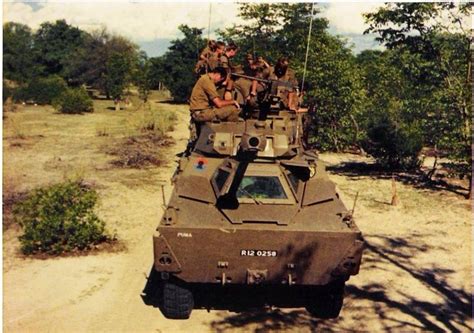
{"points": [[146, 136], [141, 151], [43, 147], [415, 275]]}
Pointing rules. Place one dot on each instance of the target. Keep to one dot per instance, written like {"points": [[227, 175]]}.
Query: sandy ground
{"points": [[415, 276]]}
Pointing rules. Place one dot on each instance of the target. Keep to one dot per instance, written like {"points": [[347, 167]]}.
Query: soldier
{"points": [[202, 66], [205, 103], [213, 60], [246, 87], [208, 50], [281, 72], [261, 63], [225, 62], [249, 58]]}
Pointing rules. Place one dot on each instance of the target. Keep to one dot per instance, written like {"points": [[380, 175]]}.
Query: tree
{"points": [[273, 30], [157, 72], [179, 61], [118, 68], [434, 36], [88, 64], [142, 76], [18, 61], [54, 44], [93, 65]]}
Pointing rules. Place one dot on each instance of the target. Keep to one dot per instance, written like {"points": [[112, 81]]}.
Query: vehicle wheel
{"points": [[326, 305], [177, 302]]}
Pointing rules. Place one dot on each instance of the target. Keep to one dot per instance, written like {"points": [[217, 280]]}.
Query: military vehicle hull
{"points": [[245, 255], [299, 244]]}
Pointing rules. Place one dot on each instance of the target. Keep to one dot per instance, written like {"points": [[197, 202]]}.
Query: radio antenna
{"points": [[307, 49], [209, 22]]}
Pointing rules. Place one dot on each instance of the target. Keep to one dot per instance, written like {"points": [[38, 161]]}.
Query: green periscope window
{"points": [[261, 187]]}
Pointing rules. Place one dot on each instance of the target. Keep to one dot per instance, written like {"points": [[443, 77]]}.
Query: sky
{"points": [[152, 25]]}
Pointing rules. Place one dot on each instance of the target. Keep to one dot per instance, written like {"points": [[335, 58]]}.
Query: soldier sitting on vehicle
{"points": [[205, 103], [261, 63], [202, 66], [213, 60], [209, 57], [225, 62], [246, 88], [281, 72]]}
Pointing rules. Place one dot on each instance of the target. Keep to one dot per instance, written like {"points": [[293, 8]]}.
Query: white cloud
{"points": [[346, 18], [138, 21]]}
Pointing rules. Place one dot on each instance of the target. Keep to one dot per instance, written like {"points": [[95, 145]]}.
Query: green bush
{"points": [[42, 90], [75, 100], [158, 122], [59, 218], [394, 145]]}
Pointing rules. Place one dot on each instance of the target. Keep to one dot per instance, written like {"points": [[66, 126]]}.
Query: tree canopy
{"points": [[176, 66], [430, 45], [98, 59]]}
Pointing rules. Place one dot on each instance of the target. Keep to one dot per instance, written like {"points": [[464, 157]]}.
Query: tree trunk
{"points": [[435, 164], [395, 199]]}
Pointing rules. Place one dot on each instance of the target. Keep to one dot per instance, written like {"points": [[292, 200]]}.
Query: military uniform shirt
{"points": [[206, 53], [289, 76], [203, 93], [224, 62]]}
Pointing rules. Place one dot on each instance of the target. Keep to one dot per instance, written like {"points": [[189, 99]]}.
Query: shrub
{"points": [[157, 122], [394, 145], [75, 100], [59, 218], [42, 90]]}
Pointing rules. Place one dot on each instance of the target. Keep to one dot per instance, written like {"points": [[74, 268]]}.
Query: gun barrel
{"points": [[269, 81], [251, 78]]}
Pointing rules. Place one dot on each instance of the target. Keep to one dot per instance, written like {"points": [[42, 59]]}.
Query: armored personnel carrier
{"points": [[254, 220]]}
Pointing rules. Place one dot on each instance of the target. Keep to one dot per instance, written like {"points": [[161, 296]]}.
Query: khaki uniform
{"points": [[289, 76], [206, 65], [224, 62], [201, 105], [213, 61], [261, 65], [282, 91], [243, 85]]}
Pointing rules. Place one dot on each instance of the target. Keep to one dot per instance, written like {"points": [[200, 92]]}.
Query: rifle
{"points": [[270, 82]]}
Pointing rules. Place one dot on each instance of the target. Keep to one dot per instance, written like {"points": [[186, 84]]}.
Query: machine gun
{"points": [[268, 98]]}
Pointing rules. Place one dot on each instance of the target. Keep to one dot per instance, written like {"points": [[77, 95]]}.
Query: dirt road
{"points": [[415, 276]]}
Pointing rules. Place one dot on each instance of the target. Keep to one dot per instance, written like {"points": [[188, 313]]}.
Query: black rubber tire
{"points": [[177, 301], [326, 305]]}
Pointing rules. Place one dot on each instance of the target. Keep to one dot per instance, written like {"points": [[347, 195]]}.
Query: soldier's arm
{"points": [[253, 90], [220, 103], [205, 54], [292, 97], [292, 101]]}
